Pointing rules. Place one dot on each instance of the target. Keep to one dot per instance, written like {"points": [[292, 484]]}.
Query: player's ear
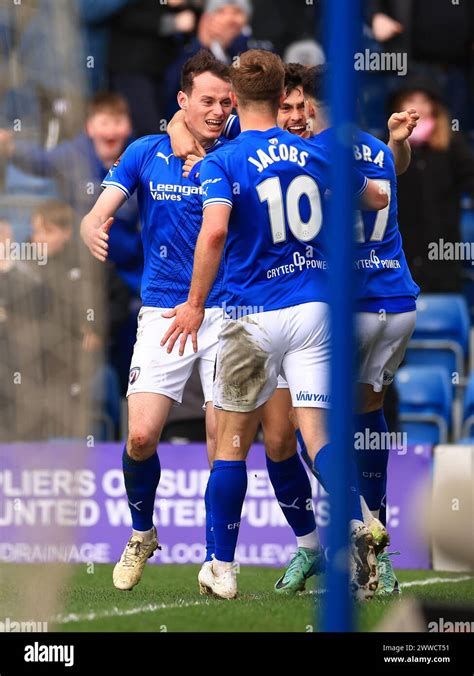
{"points": [[233, 98], [282, 98], [182, 100], [311, 108]]}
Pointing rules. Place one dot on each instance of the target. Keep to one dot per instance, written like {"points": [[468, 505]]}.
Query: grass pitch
{"points": [[167, 600]]}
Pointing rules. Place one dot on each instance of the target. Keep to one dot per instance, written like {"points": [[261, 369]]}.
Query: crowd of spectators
{"points": [[80, 79]]}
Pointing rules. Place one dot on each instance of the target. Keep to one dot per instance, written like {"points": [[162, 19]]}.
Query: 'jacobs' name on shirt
{"points": [[276, 153]]}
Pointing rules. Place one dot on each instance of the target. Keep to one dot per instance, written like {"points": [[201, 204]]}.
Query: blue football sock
{"points": [[210, 541], [371, 462], [304, 452], [327, 479], [293, 492], [383, 510], [141, 482], [227, 488]]}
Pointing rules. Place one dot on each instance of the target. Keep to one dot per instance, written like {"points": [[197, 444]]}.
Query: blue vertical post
{"points": [[342, 23]]}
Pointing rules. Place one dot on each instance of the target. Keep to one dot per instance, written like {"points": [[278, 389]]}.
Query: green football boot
{"points": [[304, 564], [388, 583]]}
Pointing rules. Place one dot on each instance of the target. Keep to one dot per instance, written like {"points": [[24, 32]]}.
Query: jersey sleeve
{"points": [[125, 173], [359, 182], [215, 183], [195, 173], [232, 127]]}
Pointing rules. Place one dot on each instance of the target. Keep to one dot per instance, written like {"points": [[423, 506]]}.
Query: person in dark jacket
{"points": [[438, 40], [429, 192], [145, 38], [96, 18], [282, 22], [224, 30]]}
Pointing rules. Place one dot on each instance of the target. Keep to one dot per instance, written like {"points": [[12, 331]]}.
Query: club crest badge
{"points": [[133, 375]]}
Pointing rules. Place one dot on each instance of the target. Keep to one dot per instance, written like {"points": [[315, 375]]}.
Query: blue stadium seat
{"points": [[441, 335], [468, 291], [426, 399], [467, 225], [468, 415]]}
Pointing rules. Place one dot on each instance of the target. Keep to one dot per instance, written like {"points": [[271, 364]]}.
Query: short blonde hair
{"points": [[258, 76]]}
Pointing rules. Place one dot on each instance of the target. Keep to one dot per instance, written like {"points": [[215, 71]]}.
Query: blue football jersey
{"points": [[276, 249], [384, 279], [232, 127], [171, 215]]}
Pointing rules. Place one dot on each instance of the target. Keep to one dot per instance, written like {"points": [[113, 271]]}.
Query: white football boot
{"points": [[218, 579], [364, 571], [203, 576], [128, 571]]}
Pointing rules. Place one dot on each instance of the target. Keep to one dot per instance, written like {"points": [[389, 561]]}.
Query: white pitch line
{"points": [[117, 612], [418, 583], [435, 580], [152, 608]]}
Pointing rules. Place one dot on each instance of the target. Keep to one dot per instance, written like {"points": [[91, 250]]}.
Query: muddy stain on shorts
{"points": [[242, 365]]}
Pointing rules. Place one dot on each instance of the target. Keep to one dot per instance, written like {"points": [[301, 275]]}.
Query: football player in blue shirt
{"points": [[386, 291], [386, 300], [171, 214], [285, 469], [296, 114], [264, 194]]}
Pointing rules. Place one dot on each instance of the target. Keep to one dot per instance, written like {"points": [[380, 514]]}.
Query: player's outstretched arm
{"points": [[182, 141], [207, 259], [400, 126], [374, 197], [96, 224]]}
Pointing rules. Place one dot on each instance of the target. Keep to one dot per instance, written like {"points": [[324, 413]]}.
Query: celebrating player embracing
{"points": [[263, 202]]}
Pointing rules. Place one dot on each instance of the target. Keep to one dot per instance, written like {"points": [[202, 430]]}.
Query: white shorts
{"points": [[381, 345], [254, 350], [154, 370]]}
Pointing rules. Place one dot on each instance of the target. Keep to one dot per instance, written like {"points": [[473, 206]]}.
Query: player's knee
{"points": [[280, 447], [141, 444]]}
